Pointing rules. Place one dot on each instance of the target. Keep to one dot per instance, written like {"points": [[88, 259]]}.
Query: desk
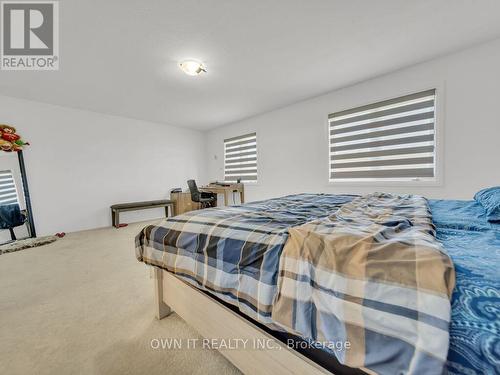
{"points": [[226, 190], [183, 202]]}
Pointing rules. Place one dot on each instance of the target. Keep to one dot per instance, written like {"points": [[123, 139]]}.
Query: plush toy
{"points": [[9, 140], [5, 145]]}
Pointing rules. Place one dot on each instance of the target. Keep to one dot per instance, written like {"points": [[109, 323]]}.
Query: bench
{"points": [[134, 206]]}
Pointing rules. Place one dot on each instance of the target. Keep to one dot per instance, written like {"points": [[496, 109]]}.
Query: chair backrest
{"points": [[193, 189]]}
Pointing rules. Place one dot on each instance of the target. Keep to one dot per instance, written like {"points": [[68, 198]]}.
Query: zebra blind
{"points": [[389, 140], [240, 158], [8, 193]]}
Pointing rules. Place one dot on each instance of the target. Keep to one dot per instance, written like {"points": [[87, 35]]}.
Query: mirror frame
{"points": [[29, 211]]}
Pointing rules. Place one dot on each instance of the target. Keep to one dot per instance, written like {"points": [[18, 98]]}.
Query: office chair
{"points": [[205, 199]]}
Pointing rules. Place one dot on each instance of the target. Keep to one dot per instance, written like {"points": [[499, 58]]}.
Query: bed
{"points": [[235, 254]]}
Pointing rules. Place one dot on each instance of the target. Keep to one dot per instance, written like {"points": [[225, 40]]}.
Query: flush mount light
{"points": [[192, 67]]}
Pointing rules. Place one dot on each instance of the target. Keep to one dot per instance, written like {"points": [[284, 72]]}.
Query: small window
{"points": [[240, 158], [8, 192], [392, 140]]}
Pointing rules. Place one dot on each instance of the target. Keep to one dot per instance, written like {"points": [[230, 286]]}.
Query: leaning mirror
{"points": [[16, 217]]}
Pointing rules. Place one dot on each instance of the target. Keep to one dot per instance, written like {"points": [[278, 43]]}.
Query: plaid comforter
{"points": [[233, 252], [373, 275]]}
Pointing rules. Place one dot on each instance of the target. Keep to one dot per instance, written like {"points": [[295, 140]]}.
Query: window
{"points": [[240, 158], [392, 140], [8, 193]]}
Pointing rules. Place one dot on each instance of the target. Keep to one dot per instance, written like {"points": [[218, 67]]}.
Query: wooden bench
{"points": [[134, 206]]}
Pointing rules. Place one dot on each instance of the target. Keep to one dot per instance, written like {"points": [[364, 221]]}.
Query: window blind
{"points": [[240, 158], [389, 140], [8, 193]]}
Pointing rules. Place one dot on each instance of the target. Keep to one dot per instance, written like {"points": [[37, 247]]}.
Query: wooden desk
{"points": [[226, 190], [183, 202]]}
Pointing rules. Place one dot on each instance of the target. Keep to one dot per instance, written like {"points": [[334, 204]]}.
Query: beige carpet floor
{"points": [[84, 305]]}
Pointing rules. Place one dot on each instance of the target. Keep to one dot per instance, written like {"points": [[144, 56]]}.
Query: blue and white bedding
{"points": [[233, 252], [474, 246], [371, 274]]}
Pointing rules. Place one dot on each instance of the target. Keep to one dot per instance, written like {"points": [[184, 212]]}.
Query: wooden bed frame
{"points": [[214, 320]]}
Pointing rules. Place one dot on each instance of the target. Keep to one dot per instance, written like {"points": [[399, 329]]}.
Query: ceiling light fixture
{"points": [[192, 67]]}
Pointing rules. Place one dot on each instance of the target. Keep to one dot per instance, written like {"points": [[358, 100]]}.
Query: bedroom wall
{"points": [[293, 145], [80, 162]]}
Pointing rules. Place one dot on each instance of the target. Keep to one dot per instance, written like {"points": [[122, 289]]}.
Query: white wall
{"points": [[80, 162], [293, 146]]}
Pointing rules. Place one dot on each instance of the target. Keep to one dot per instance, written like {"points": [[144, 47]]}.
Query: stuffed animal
{"points": [[9, 140], [5, 145]]}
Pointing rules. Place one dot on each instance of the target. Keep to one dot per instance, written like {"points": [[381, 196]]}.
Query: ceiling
{"points": [[120, 57]]}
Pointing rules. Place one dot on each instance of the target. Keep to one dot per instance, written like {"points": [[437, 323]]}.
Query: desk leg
{"points": [[242, 196], [226, 198]]}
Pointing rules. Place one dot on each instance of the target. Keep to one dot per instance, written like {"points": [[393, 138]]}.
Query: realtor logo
{"points": [[30, 35]]}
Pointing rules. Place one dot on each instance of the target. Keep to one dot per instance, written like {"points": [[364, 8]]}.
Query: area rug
{"points": [[26, 244]]}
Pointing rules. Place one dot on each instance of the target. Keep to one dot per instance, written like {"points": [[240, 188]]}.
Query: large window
{"points": [[390, 140], [240, 158], [8, 193]]}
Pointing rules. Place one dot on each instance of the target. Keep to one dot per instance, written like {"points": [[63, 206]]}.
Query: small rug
{"points": [[26, 244]]}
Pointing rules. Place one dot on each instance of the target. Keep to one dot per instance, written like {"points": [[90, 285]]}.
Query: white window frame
{"points": [[438, 178]]}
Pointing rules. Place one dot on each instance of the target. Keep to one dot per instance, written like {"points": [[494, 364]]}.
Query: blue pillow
{"points": [[490, 200]]}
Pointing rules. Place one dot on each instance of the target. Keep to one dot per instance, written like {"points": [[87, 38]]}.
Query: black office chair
{"points": [[205, 199]]}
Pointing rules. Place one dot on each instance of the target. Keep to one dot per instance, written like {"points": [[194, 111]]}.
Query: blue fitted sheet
{"points": [[474, 246]]}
